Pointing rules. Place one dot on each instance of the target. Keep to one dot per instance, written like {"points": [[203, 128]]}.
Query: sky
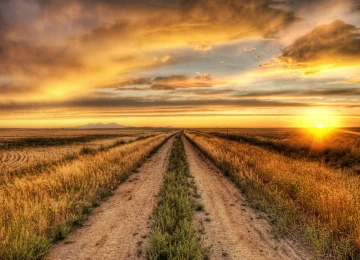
{"points": [[180, 63]]}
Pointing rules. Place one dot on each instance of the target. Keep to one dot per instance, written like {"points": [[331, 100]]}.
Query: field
{"points": [[169, 194], [42, 204], [307, 181], [23, 152], [338, 149]]}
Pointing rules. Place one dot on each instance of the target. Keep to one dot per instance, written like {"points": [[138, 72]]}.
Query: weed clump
{"points": [[87, 150]]}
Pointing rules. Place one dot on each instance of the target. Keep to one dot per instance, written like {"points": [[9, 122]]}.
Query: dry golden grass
{"points": [[38, 209], [24, 158], [335, 147], [305, 198], [31, 133]]}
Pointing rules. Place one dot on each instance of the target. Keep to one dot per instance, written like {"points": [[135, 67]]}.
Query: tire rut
{"points": [[232, 229], [117, 229]]}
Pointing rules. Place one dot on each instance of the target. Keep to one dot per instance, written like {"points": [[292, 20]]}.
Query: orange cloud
{"points": [[202, 47], [58, 51], [70, 46]]}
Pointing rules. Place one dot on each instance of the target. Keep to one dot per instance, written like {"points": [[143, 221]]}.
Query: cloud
{"points": [[353, 81], [21, 58], [60, 51], [10, 89], [202, 47], [327, 46], [130, 82], [128, 103], [165, 59], [205, 77], [167, 83], [207, 92], [63, 44], [348, 81], [302, 93], [197, 23], [244, 16]]}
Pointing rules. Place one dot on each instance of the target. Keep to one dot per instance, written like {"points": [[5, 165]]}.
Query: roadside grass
{"points": [[173, 236], [38, 210], [303, 200], [335, 149]]}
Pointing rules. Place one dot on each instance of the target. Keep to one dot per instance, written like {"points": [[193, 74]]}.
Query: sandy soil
{"points": [[234, 230], [117, 229]]}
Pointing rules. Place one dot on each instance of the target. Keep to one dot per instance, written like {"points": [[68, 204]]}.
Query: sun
{"points": [[318, 121]]}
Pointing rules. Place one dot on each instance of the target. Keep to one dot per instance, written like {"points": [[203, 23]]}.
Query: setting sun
{"points": [[320, 119]]}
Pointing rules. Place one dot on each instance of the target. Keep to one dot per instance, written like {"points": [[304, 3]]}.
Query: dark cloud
{"points": [[138, 103], [337, 44], [321, 7], [21, 58], [3, 25], [120, 30], [129, 4], [203, 92], [258, 15], [197, 22], [204, 77], [130, 82], [302, 93], [167, 83], [169, 79], [7, 89], [348, 81]]}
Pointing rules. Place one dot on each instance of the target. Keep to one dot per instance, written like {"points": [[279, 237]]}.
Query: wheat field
{"points": [[41, 207], [304, 199]]}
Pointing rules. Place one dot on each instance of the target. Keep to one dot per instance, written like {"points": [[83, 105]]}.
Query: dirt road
{"points": [[117, 229], [233, 229]]}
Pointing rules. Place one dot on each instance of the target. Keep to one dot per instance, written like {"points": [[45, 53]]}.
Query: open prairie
{"points": [[22, 151], [193, 194], [337, 148], [48, 185], [306, 180]]}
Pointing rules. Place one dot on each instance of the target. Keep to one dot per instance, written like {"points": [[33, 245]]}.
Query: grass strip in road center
{"points": [[173, 236]]}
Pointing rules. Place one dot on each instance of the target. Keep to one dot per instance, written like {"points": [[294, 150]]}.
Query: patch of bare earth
{"points": [[234, 230], [117, 229]]}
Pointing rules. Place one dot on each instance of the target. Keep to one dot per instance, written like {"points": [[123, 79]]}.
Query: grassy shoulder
{"points": [[173, 236], [303, 200], [41, 209]]}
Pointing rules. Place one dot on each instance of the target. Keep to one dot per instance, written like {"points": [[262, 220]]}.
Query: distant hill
{"points": [[100, 125]]}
